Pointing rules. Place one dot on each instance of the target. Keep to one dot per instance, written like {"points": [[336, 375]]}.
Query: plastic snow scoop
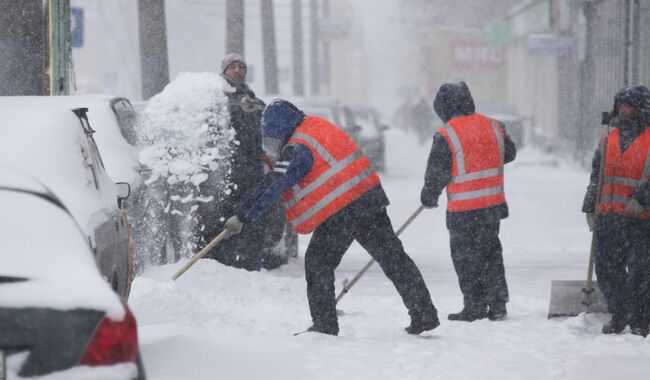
{"points": [[349, 284], [202, 253], [570, 298]]}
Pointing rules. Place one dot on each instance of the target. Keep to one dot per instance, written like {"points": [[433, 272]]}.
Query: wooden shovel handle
{"points": [[202, 253]]}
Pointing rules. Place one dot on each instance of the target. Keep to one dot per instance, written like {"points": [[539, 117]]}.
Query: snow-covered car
{"points": [[57, 146], [57, 314], [114, 119], [369, 135]]}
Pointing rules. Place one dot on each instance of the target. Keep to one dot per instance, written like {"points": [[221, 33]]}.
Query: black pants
{"points": [[623, 267], [243, 250], [477, 255], [375, 233]]}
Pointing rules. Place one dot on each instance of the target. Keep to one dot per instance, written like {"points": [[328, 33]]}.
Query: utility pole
{"points": [[296, 40], [235, 26], [268, 47], [325, 63], [59, 46], [315, 46], [22, 48], [154, 65]]}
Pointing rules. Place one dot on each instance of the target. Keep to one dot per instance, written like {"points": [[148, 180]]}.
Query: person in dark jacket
{"points": [[244, 251], [620, 214], [330, 189], [467, 158]]}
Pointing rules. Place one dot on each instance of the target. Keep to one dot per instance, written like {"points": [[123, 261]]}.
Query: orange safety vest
{"points": [[478, 150], [340, 174], [624, 173]]}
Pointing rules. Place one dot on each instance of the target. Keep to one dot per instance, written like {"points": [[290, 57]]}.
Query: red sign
{"points": [[473, 54]]}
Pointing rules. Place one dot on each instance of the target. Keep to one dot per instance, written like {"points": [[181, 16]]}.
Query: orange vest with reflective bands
{"points": [[478, 149], [340, 174], [624, 173]]}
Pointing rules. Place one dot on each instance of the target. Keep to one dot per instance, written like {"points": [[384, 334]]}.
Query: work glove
{"points": [[430, 206], [591, 220], [233, 226], [634, 207]]}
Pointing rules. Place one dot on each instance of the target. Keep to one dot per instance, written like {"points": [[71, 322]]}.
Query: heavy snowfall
{"points": [[548, 69], [219, 322]]}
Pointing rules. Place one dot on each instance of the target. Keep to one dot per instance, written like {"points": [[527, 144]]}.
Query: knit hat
{"points": [[637, 96], [230, 59]]}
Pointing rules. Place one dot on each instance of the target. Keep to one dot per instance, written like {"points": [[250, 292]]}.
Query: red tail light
{"points": [[114, 342]]}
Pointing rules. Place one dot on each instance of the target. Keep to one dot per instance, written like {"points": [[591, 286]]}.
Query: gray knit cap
{"points": [[229, 59]]}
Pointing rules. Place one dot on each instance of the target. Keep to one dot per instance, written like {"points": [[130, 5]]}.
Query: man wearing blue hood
{"points": [[620, 214], [330, 189], [467, 158]]}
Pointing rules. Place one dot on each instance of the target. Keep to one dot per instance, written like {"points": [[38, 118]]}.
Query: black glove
{"points": [[634, 207], [591, 220]]}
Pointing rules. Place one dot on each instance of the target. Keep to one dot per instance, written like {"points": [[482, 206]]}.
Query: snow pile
{"points": [[186, 141]]}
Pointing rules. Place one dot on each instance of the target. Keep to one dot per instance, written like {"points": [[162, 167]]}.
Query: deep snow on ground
{"points": [[217, 322]]}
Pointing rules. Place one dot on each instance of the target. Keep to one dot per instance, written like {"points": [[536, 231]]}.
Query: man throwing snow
{"points": [[467, 157], [329, 189]]}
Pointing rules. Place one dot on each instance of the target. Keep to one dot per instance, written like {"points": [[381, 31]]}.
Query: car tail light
{"points": [[113, 342]]}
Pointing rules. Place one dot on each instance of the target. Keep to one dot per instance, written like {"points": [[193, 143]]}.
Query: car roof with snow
{"points": [[120, 158], [46, 260], [49, 144]]}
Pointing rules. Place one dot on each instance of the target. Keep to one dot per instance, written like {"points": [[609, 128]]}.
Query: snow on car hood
{"points": [[42, 243]]}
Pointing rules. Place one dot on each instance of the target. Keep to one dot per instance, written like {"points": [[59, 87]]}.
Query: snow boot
{"points": [[497, 312], [324, 330], [616, 325], [639, 326], [419, 326], [467, 315]]}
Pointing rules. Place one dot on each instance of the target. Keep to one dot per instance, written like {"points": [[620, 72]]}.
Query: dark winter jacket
{"points": [[246, 159], [455, 100], [639, 98]]}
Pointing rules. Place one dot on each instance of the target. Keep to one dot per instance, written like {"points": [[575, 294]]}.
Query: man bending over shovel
{"points": [[330, 189]]}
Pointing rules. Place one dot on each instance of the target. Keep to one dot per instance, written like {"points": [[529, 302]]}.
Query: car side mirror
{"points": [[123, 192]]}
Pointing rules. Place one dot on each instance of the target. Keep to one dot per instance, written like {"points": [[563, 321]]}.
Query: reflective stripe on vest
{"points": [[624, 173], [470, 190], [340, 174]]}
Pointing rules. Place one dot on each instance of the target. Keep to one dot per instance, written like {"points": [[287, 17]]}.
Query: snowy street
{"points": [[217, 322]]}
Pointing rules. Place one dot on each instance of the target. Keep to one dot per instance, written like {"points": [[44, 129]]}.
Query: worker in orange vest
{"points": [[330, 189], [467, 157], [621, 219]]}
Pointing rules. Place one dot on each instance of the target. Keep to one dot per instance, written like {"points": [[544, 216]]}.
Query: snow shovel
{"points": [[203, 252], [349, 284], [570, 298]]}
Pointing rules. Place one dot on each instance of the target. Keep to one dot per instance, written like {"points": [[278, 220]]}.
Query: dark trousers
{"points": [[477, 255], [623, 267], [375, 233], [243, 250]]}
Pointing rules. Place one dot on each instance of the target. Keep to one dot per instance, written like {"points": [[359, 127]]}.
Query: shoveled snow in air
{"points": [[219, 322]]}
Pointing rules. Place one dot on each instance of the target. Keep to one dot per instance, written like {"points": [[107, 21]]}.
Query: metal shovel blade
{"points": [[567, 299]]}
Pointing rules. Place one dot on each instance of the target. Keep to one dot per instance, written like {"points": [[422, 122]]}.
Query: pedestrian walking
{"points": [[621, 219], [330, 190], [467, 158]]}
